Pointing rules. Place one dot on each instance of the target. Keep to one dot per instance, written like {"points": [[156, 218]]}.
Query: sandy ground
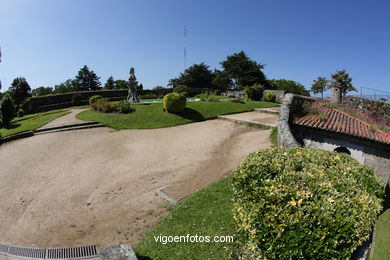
{"points": [[97, 185]]}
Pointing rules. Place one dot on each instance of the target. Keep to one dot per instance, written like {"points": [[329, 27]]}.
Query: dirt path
{"points": [[97, 185], [67, 119]]}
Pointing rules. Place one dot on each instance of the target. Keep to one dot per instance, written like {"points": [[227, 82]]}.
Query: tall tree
{"points": [[319, 86], [221, 81], [0, 61], [342, 80], [243, 71], [289, 86], [42, 91], [87, 80], [20, 90], [121, 84], [110, 83], [65, 87], [140, 87], [195, 76], [6, 109]]}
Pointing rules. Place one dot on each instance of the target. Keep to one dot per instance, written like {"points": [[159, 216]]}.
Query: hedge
{"points": [[174, 102], [56, 101], [304, 203]]}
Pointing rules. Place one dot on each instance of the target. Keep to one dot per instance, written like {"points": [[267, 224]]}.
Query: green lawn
{"points": [[206, 213], [274, 136], [153, 116], [31, 122], [382, 231]]}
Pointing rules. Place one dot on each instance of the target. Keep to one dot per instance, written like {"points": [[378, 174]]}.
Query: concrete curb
{"points": [[266, 111], [52, 129], [248, 122], [118, 252]]}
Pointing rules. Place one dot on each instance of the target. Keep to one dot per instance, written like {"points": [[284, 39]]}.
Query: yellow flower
{"points": [[293, 202]]}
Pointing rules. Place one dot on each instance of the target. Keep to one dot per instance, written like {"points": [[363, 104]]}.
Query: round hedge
{"points": [[174, 102], [94, 98], [304, 203], [269, 97], [254, 92]]}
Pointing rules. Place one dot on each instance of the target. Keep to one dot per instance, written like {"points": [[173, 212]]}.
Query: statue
{"points": [[132, 96]]}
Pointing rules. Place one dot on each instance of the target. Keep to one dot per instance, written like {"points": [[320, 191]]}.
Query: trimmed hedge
{"points": [[56, 101], [94, 98], [174, 102], [254, 92], [269, 97], [306, 203]]}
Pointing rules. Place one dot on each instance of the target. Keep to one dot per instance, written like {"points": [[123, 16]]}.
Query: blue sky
{"points": [[48, 41]]}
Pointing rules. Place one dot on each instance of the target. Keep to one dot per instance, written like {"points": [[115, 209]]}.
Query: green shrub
{"points": [[94, 98], [124, 107], [185, 94], [7, 107], [304, 203], [174, 102], [76, 99], [269, 97], [181, 89], [20, 112], [254, 92], [149, 96]]}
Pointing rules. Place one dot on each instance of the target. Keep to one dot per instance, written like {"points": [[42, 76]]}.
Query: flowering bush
{"points": [[292, 203]]}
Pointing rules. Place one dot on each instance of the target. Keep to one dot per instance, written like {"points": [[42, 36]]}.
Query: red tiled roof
{"points": [[336, 120]]}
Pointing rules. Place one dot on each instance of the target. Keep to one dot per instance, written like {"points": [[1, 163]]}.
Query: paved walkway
{"points": [[67, 119]]}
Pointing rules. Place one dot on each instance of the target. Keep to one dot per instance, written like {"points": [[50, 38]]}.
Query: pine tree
{"points": [[20, 90], [110, 83], [87, 80]]}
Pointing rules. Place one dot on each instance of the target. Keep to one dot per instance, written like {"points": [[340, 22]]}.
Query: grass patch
{"points": [[274, 136], [382, 237], [382, 230], [31, 122], [206, 213], [153, 116]]}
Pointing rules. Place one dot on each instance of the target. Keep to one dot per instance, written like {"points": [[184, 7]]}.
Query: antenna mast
{"points": [[185, 47]]}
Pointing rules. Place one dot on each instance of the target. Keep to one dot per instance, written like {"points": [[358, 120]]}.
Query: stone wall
{"points": [[364, 105], [278, 93], [285, 137]]}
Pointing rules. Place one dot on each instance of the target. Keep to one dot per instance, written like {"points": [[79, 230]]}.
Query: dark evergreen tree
{"points": [[221, 81], [289, 86], [42, 91], [20, 90], [196, 76], [87, 80], [140, 87], [65, 87], [121, 84], [7, 109], [242, 71], [110, 83]]}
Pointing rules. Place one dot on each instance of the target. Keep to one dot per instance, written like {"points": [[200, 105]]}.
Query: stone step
{"points": [[248, 122], [56, 127], [70, 128], [267, 111]]}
